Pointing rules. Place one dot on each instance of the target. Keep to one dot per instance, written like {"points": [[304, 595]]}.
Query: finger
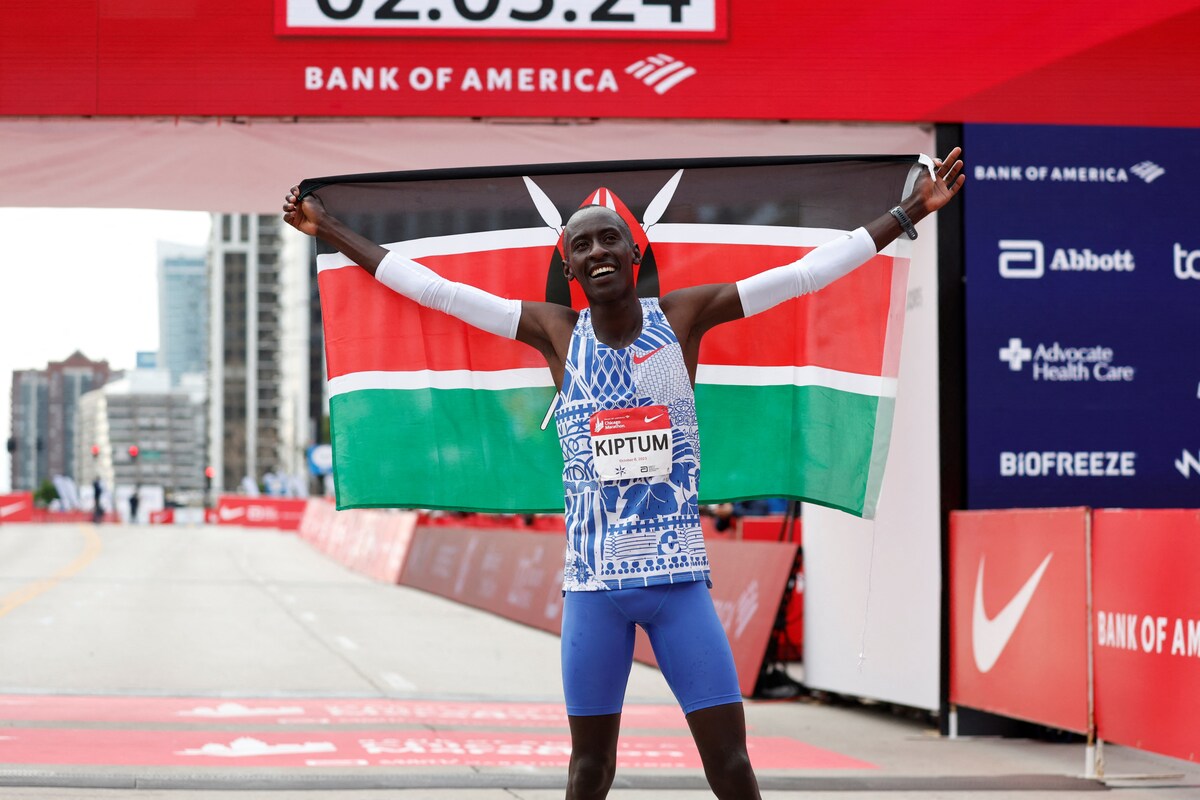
{"points": [[954, 172]]}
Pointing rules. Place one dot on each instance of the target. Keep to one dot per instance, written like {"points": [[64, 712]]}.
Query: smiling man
{"points": [[625, 413]]}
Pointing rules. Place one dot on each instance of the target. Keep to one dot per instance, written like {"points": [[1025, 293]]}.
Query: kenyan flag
{"points": [[427, 412]]}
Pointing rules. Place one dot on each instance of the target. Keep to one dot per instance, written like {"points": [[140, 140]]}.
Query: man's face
{"points": [[600, 253]]}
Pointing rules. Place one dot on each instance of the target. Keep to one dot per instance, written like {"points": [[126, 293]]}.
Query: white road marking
{"points": [[399, 682]]}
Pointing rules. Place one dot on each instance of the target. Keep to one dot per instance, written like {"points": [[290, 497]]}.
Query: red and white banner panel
{"points": [[283, 513], [518, 575], [1018, 614], [660, 59], [1146, 606], [16, 507]]}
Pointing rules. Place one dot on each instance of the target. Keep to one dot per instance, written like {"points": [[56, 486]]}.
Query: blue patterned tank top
{"points": [[630, 532]]}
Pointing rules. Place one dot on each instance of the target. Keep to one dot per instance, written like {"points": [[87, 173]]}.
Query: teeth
{"points": [[596, 273]]}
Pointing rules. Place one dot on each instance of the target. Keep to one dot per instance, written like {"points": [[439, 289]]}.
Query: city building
{"points": [[259, 410], [182, 309], [45, 441], [165, 424]]}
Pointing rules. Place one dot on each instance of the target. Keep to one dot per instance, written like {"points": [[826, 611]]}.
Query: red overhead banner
{"points": [[663, 59]]}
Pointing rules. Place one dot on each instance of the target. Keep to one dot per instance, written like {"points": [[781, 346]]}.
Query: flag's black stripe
{"points": [[508, 171], [806, 191]]}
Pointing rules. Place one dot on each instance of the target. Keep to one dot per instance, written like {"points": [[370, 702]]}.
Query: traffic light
{"points": [[133, 452], [209, 474], [95, 450]]}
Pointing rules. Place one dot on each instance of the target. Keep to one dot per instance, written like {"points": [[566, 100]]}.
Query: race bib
{"points": [[631, 442]]}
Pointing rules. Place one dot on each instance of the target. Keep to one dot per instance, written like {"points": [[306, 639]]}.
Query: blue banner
{"points": [[1083, 316]]}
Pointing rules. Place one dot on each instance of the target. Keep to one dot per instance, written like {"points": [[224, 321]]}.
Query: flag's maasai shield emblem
{"points": [[427, 412]]}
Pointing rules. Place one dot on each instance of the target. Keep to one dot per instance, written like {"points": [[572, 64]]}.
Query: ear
{"points": [[567, 271], [637, 255]]}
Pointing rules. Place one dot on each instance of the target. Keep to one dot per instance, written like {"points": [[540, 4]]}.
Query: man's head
{"points": [[599, 252]]}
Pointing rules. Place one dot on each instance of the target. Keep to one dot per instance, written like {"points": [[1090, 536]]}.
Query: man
{"points": [[624, 369]]}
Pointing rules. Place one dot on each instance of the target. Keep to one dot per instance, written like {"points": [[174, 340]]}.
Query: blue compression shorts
{"points": [[688, 640]]}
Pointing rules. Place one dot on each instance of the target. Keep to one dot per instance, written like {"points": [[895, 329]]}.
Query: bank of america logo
{"points": [[660, 72], [1147, 171]]}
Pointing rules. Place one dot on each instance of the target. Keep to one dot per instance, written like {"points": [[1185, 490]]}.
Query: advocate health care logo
{"points": [[1056, 363], [659, 72]]}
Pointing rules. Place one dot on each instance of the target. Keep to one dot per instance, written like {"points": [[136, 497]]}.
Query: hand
{"points": [[936, 189], [303, 215]]}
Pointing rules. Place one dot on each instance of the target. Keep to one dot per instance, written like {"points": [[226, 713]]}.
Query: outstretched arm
{"points": [[700, 308], [540, 325], [932, 191], [308, 215]]}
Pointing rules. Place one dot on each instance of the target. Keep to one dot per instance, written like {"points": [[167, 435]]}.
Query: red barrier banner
{"points": [[1018, 614], [515, 574], [1146, 621], [164, 516], [283, 513], [372, 542], [16, 507], [652, 59], [518, 575]]}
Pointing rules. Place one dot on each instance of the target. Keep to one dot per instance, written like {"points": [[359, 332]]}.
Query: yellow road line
{"points": [[26, 593]]}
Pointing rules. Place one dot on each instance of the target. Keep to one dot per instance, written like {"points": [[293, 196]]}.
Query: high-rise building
{"points": [[259, 342], [182, 309], [44, 437], [165, 424]]}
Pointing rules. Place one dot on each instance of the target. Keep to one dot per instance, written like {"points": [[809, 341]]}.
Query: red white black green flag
{"points": [[427, 412]]}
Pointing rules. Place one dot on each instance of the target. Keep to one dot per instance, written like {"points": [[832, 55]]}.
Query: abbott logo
{"points": [[1186, 463], [1022, 258], [660, 72], [1016, 354]]}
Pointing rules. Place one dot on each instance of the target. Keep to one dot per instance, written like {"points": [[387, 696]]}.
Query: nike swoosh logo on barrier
{"points": [[989, 637], [644, 358], [11, 509], [230, 513]]}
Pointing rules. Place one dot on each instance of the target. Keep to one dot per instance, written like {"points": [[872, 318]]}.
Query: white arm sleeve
{"points": [[473, 306], [816, 270]]}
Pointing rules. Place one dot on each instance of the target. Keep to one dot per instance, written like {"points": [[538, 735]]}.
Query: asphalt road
{"points": [[186, 662]]}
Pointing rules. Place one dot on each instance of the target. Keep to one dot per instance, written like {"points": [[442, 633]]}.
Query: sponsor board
{"points": [[283, 513], [1146, 628], [1081, 322], [1018, 614]]}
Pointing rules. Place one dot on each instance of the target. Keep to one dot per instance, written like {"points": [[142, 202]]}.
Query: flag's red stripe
{"points": [[369, 327], [841, 327]]}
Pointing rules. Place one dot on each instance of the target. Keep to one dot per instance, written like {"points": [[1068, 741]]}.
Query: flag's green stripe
{"points": [[808, 442], [393, 449], [446, 448]]}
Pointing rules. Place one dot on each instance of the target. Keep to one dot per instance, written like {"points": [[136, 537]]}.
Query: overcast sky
{"points": [[80, 279]]}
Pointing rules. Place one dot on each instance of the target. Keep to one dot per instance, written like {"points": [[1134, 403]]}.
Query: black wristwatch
{"points": [[904, 221]]}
